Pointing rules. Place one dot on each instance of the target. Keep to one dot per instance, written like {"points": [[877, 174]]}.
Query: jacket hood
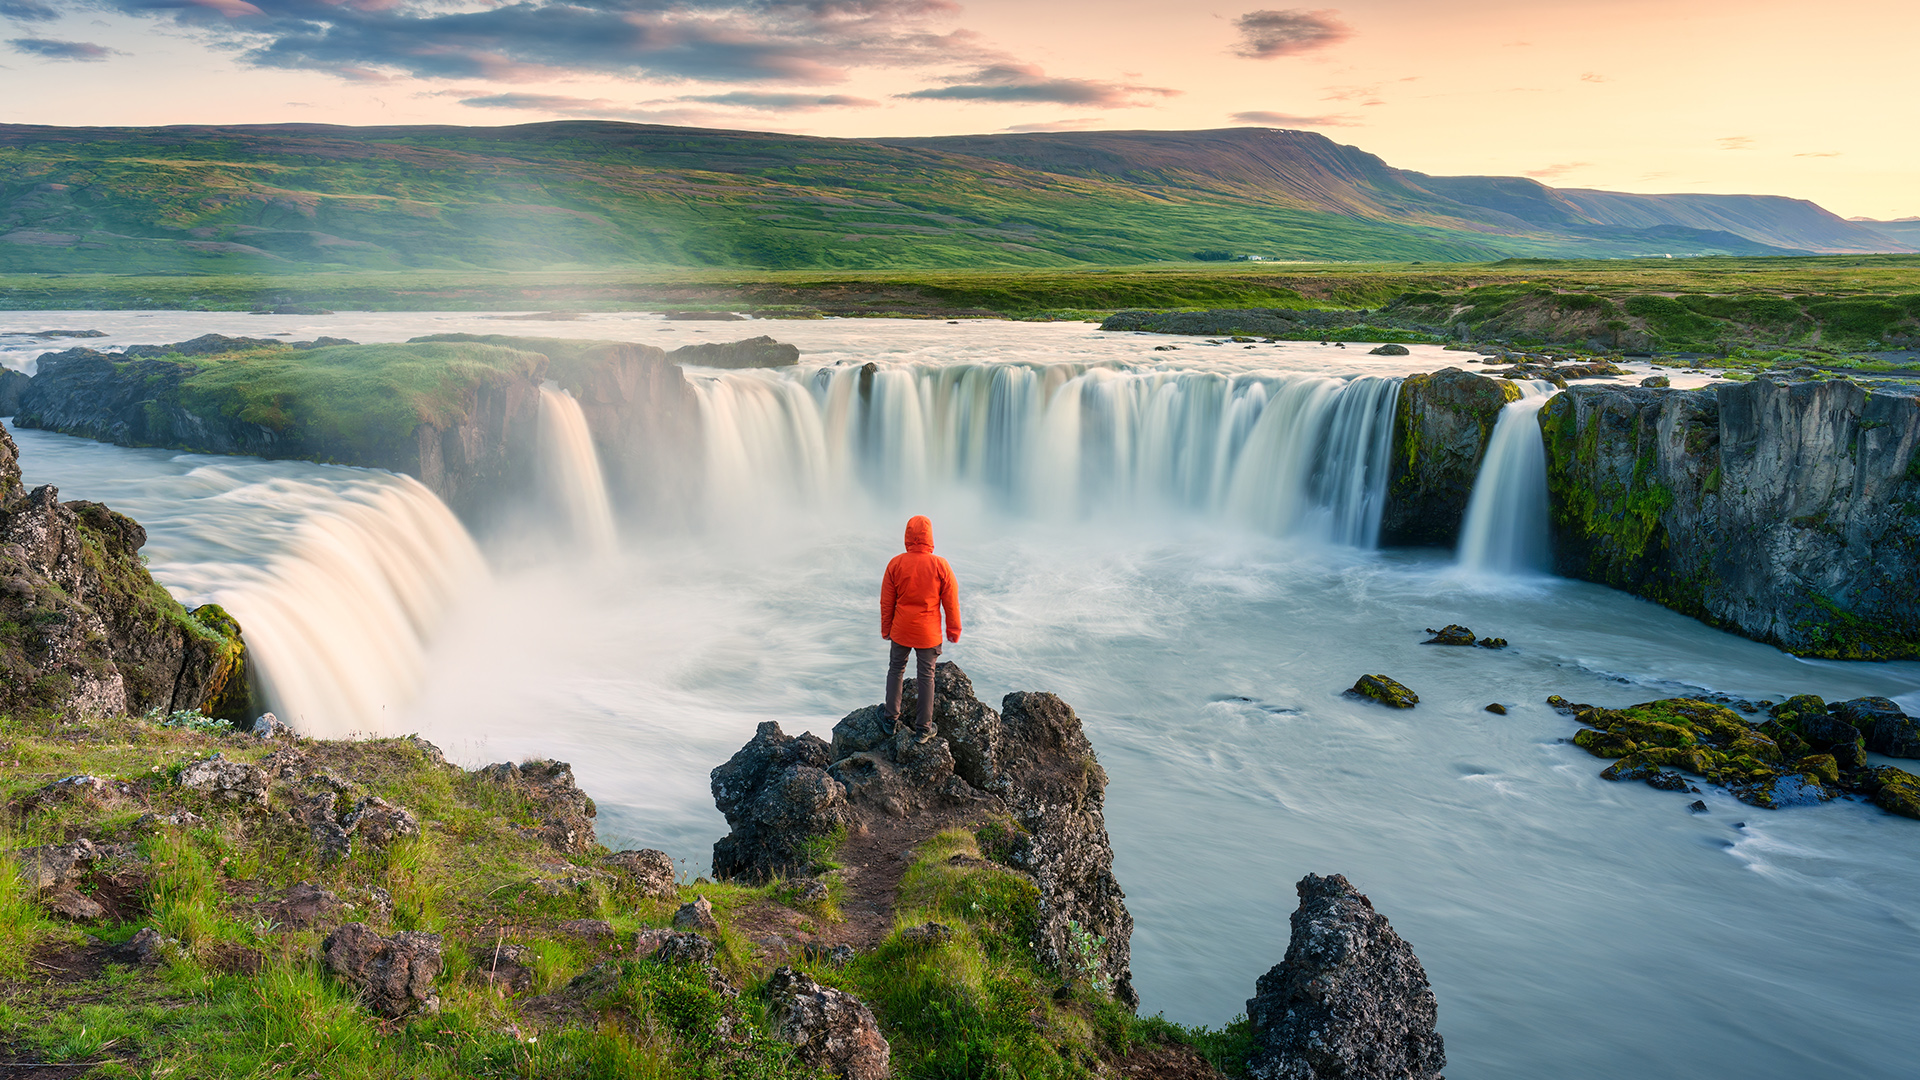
{"points": [[919, 534]]}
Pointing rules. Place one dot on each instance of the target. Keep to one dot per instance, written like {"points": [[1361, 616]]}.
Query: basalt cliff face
{"points": [[84, 628], [1024, 777], [1787, 511], [459, 412], [1441, 426]]}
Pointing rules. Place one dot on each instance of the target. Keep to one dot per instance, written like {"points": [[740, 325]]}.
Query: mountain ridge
{"points": [[287, 198]]}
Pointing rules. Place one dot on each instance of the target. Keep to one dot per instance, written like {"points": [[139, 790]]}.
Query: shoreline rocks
{"points": [[1349, 1001], [789, 798], [1385, 691]]}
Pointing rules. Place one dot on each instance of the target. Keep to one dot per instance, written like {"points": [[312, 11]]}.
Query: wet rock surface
{"points": [[1805, 752], [1776, 508], [1441, 427], [1030, 761], [1350, 1000], [1384, 690], [829, 1029]]}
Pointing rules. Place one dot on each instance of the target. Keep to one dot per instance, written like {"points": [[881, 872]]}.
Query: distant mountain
{"points": [[581, 194], [1902, 230]]}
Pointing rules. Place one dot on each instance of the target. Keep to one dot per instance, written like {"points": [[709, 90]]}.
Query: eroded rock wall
{"points": [[1441, 428], [83, 626], [1787, 511]]}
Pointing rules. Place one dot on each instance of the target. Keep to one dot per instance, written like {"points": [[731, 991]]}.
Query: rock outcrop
{"points": [[758, 352], [1029, 764], [85, 628], [394, 975], [829, 1029], [566, 813], [1787, 511], [1441, 426], [1350, 1001]]}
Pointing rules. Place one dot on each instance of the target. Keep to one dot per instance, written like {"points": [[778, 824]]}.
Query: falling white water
{"points": [[1280, 453], [570, 468], [338, 624], [1505, 531]]}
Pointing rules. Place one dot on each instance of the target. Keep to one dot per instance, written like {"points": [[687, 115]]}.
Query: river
{"points": [[1572, 927]]}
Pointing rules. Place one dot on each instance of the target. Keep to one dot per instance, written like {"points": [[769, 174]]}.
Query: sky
{"points": [[1814, 101]]}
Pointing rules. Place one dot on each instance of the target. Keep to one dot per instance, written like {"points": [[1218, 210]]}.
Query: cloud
{"points": [[781, 102], [1359, 95], [1554, 171], [27, 11], [1079, 124], [1267, 34], [1027, 84], [795, 41], [586, 108], [1735, 142], [49, 49], [1593, 76], [1819, 153], [1274, 119]]}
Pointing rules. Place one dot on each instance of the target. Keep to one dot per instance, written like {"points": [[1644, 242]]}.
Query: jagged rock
{"points": [[269, 726], [101, 637], [224, 781], [685, 948], [829, 1029], [1031, 761], [393, 975], [1887, 729], [1451, 634], [70, 903], [697, 915], [1349, 1001], [380, 822], [1696, 807], [504, 967], [777, 798], [54, 866], [757, 352], [1894, 790], [1493, 643], [650, 871], [1385, 691], [148, 948], [1388, 350], [567, 813], [927, 934]]}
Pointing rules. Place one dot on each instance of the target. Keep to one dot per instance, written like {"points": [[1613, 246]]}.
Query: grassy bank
{"points": [[240, 988]]}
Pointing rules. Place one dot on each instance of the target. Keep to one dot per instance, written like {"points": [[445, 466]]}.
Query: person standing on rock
{"points": [[917, 587]]}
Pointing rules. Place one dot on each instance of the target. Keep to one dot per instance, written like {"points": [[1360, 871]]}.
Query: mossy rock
{"points": [[1896, 791], [1385, 691]]}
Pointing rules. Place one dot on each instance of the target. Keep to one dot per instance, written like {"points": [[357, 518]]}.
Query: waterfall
{"points": [[1284, 454], [1505, 531], [571, 470], [338, 621]]}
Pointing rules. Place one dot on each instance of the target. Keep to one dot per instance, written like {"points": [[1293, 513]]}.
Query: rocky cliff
{"points": [[458, 411], [85, 630], [1785, 510], [1025, 778], [1441, 426]]}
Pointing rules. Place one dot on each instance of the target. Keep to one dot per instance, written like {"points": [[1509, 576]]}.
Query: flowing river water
{"points": [[1180, 545]]}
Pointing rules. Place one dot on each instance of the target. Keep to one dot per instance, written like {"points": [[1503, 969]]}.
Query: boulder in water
{"points": [[1451, 634], [1350, 1001], [1656, 381], [1385, 691], [1493, 643], [1887, 729], [1894, 790], [758, 352], [1388, 350], [1497, 709]]}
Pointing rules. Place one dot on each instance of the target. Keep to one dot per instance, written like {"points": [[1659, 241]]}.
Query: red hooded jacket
{"points": [[915, 589]]}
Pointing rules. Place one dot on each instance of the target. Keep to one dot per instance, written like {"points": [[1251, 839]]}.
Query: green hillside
{"points": [[285, 199]]}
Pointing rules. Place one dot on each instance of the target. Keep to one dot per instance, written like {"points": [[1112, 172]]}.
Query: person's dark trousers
{"points": [[897, 670]]}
